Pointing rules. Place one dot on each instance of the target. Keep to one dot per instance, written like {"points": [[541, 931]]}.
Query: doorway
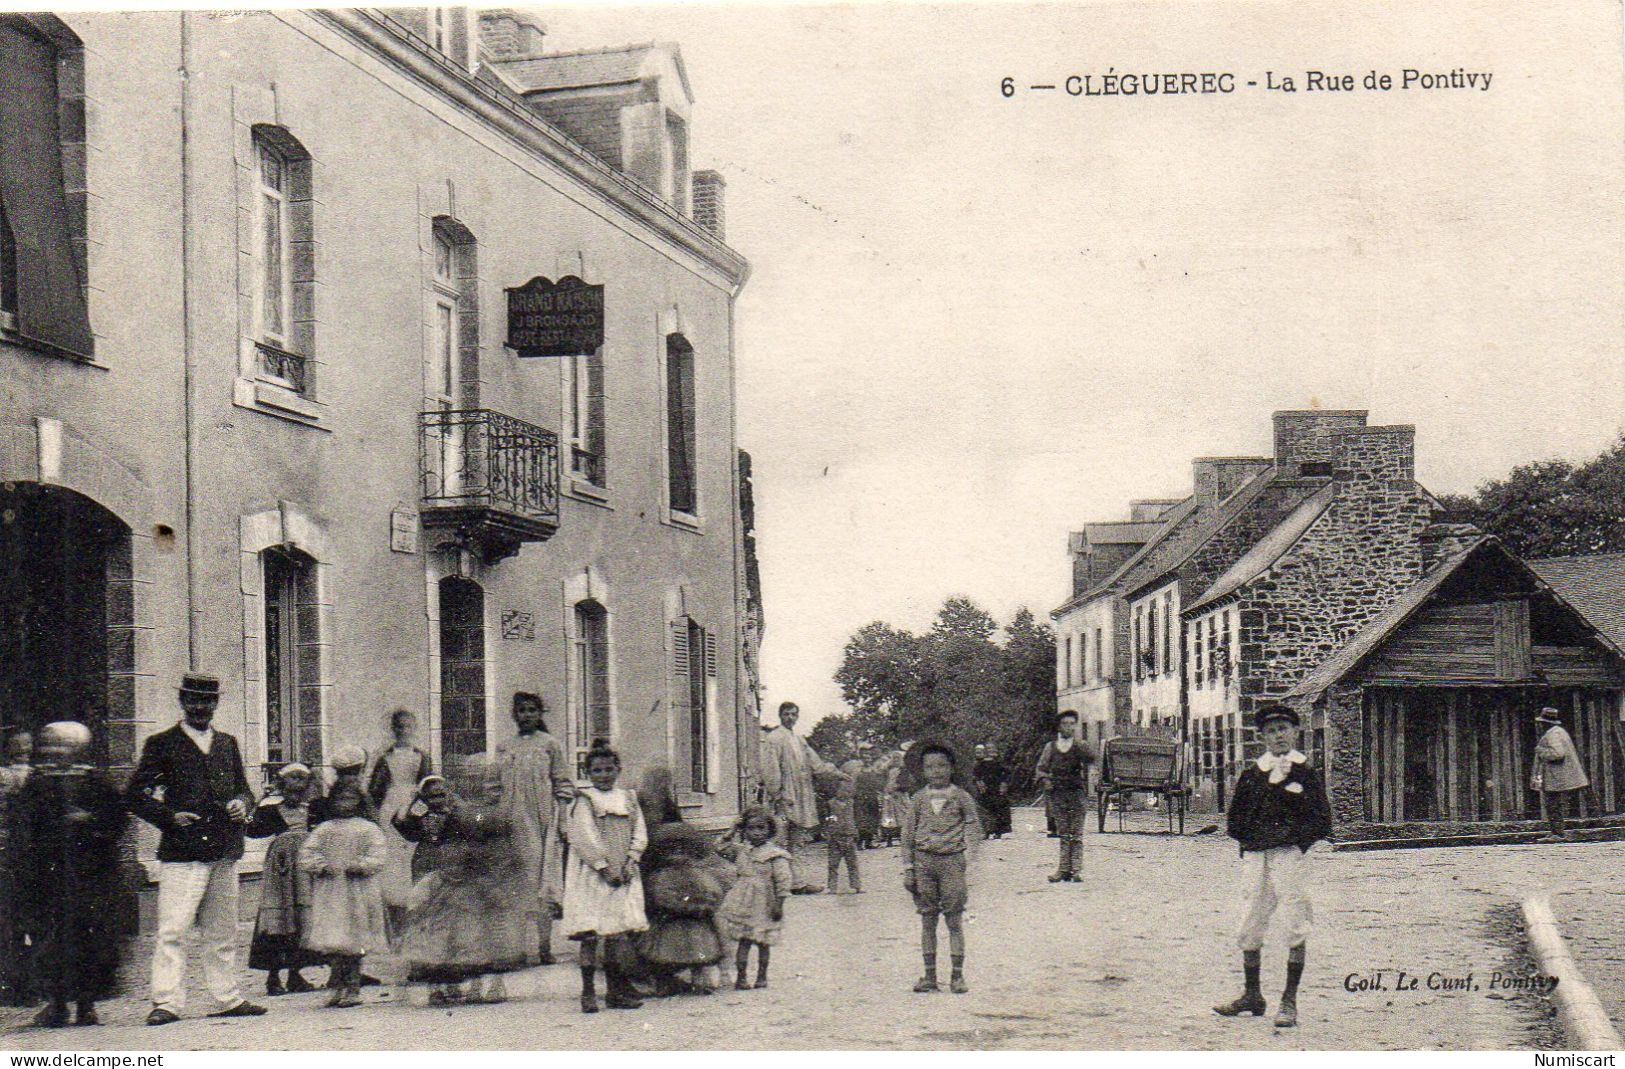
{"points": [[66, 614]]}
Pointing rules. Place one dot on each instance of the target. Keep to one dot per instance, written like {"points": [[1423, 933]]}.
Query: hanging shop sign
{"points": [[563, 318]]}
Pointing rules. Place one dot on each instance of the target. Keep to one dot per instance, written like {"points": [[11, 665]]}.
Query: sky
{"points": [[976, 322]]}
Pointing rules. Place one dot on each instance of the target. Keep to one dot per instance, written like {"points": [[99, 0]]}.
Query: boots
{"points": [[297, 984], [273, 984], [621, 995], [1252, 998], [1287, 1015], [589, 992]]}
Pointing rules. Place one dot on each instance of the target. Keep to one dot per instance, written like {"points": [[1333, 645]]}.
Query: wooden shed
{"points": [[1430, 709]]}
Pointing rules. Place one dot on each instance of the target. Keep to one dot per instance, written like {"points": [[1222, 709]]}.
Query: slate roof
{"points": [[1123, 533], [1161, 565], [1171, 521], [596, 66], [1269, 549], [1594, 585]]}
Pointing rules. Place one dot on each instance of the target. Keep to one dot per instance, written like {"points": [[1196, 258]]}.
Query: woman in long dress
{"points": [[395, 777], [15, 985], [992, 780]]}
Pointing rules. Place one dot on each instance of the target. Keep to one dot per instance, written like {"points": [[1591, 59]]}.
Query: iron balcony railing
{"points": [[476, 463]]}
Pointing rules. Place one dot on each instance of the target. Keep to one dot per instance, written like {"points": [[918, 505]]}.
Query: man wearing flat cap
{"points": [[1557, 774], [1278, 811], [191, 786]]}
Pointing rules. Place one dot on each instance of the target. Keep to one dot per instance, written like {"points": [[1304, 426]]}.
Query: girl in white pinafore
{"points": [[603, 893]]}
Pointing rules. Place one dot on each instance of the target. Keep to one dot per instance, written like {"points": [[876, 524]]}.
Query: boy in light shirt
{"points": [[941, 828]]}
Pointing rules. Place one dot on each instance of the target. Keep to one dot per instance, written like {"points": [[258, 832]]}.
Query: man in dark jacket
{"points": [[191, 786], [1277, 813]]}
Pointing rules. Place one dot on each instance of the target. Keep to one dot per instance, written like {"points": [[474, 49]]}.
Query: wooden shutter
{"points": [[50, 300], [593, 425], [1513, 658], [678, 724]]}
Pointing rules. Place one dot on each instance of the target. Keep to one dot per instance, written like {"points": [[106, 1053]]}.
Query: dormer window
{"points": [[677, 176]]}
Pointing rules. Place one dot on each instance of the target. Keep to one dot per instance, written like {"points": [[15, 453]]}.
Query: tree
{"points": [[955, 682], [1551, 508]]}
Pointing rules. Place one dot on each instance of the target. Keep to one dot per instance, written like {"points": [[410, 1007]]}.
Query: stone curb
{"points": [[1584, 1020]]}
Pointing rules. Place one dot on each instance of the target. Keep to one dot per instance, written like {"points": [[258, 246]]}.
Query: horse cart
{"points": [[1132, 764]]}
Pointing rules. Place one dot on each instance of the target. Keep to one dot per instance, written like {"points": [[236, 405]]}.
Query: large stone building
{"points": [[259, 416], [1286, 578]]}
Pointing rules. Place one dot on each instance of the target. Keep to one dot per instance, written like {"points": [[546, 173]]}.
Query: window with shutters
{"points": [[693, 686], [282, 289], [584, 417], [591, 716], [1100, 655], [1066, 661], [42, 187], [681, 455], [293, 692]]}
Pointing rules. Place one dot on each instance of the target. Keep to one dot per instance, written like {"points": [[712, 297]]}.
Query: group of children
{"points": [[464, 922]]}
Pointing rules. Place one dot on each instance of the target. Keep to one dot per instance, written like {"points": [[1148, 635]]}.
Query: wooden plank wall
{"points": [[1480, 743]]}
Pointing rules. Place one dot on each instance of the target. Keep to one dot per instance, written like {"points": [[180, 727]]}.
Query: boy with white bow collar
{"points": [[1278, 811]]}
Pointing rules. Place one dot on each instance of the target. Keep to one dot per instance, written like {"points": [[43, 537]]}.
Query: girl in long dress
{"points": [[391, 787], [684, 880], [467, 922], [284, 908], [537, 783], [603, 894], [343, 856], [753, 912]]}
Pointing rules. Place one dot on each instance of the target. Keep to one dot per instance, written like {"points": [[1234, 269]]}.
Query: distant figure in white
{"points": [[788, 765]]}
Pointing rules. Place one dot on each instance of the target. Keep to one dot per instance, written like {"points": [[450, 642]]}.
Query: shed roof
{"points": [[1594, 585], [1269, 549], [1385, 623]]}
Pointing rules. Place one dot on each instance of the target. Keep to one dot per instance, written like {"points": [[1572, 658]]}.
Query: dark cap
{"points": [[1268, 714], [198, 683]]}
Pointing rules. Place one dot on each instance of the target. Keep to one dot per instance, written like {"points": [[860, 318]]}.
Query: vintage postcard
{"points": [[882, 526]]}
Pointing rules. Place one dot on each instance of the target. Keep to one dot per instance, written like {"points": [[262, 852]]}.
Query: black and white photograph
{"points": [[760, 526]]}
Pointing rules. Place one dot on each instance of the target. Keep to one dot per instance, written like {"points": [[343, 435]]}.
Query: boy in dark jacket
{"points": [[1277, 813]]}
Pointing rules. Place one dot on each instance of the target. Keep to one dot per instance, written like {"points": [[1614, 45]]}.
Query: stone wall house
{"points": [[259, 416]]}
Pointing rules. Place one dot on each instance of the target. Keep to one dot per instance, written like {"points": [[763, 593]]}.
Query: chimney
{"points": [[708, 190], [1148, 510], [1077, 545], [1304, 437], [1375, 458], [1216, 478], [1441, 541], [506, 34]]}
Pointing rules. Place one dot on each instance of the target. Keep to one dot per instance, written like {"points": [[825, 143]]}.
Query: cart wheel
{"points": [[1100, 811]]}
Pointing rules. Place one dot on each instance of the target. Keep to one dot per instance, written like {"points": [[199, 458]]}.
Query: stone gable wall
{"points": [[1349, 565]]}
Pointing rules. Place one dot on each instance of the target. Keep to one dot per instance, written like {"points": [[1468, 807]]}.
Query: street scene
{"points": [[1136, 979], [711, 527]]}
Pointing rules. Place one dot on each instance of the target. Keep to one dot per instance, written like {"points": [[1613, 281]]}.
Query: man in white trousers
{"points": [[190, 785]]}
